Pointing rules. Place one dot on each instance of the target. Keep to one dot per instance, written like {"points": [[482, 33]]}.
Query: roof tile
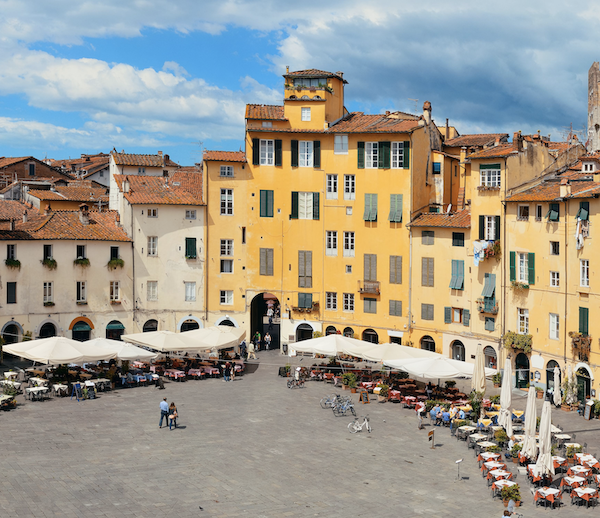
{"points": [[265, 112], [225, 156], [550, 191], [477, 139], [460, 219], [143, 160], [181, 189]]}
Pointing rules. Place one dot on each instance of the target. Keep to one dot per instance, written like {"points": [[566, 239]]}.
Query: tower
{"points": [[594, 108]]}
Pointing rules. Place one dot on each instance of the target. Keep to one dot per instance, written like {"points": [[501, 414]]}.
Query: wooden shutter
{"points": [[531, 269], [308, 269], [430, 272], [497, 228], [11, 292], [278, 153], [315, 205], [489, 323], [383, 157], [301, 300], [392, 215], [466, 317], [317, 154], [460, 278], [406, 157], [395, 208], [269, 261], [294, 153], [301, 269], [584, 314], [255, 151], [481, 227], [263, 261], [360, 153], [454, 274], [399, 208], [367, 214], [373, 207], [270, 196], [263, 204], [395, 269], [190, 247], [373, 267], [513, 269], [367, 267], [447, 315], [424, 264], [294, 205]]}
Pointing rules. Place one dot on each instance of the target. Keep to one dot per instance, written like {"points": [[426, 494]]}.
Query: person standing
{"points": [[243, 350], [172, 415], [270, 314], [420, 408], [164, 412], [257, 341], [251, 353], [226, 371], [267, 340]]}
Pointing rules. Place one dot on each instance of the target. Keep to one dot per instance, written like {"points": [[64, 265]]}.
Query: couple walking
{"points": [[168, 412]]}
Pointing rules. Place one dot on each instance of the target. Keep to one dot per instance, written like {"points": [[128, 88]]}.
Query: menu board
{"points": [[588, 410]]}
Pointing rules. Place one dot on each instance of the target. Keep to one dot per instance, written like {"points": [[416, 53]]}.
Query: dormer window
{"points": [[305, 98], [266, 124], [588, 167]]}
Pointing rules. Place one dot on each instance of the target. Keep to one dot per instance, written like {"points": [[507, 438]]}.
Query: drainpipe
{"points": [[206, 175], [566, 284], [135, 309], [409, 280], [504, 282]]}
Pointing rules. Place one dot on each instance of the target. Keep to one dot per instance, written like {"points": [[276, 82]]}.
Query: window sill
{"points": [[522, 218], [115, 302], [81, 303], [488, 188]]}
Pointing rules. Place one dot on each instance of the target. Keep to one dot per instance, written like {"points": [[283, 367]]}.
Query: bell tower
{"points": [[593, 108]]}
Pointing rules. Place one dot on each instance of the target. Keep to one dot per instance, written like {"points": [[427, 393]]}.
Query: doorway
{"points": [[458, 351], [522, 370], [584, 385], [428, 343], [189, 325], [265, 316], [11, 334], [369, 335], [81, 331], [149, 326], [304, 332], [552, 384], [114, 330]]}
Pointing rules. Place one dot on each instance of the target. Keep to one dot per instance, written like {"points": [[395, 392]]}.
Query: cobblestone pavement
{"points": [[250, 448]]}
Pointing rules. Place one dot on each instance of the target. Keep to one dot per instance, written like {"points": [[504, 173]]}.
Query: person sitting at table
{"points": [[172, 415], [446, 417], [438, 417], [433, 412], [461, 414]]}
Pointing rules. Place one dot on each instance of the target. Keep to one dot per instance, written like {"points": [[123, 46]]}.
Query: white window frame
{"points": [[523, 268], [224, 262], [490, 177], [305, 114], [11, 251], [331, 242], [349, 302], [348, 268], [554, 279], [305, 153], [349, 187], [152, 213], [152, 246], [190, 291], [226, 170], [227, 247], [267, 124], [523, 212], [538, 212], [397, 155], [554, 326], [371, 155], [305, 205], [349, 244], [490, 228], [152, 290], [226, 202], [584, 273], [340, 145], [81, 291], [226, 297], [522, 321], [331, 301], [48, 291], [552, 248], [267, 152], [332, 186], [114, 291], [457, 315], [190, 214]]}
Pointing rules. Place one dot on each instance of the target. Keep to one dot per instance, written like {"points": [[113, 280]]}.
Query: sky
{"points": [[83, 76]]}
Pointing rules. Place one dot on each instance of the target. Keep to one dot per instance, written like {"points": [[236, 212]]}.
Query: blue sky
{"points": [[175, 75]]}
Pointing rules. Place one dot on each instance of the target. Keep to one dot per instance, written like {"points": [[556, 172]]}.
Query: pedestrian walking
{"points": [[257, 341], [251, 353], [226, 371], [243, 351], [420, 408], [164, 412], [267, 340], [172, 416]]}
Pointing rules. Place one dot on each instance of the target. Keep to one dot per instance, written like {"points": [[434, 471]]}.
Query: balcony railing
{"points": [[368, 287], [485, 305]]}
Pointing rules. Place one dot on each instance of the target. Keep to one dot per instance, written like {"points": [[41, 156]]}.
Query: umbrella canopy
{"points": [[505, 416], [164, 341], [530, 443], [124, 350], [478, 379], [384, 352], [544, 464], [214, 338], [556, 396], [435, 367], [331, 345], [58, 350]]}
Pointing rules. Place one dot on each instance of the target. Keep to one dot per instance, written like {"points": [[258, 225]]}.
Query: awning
{"points": [[82, 326], [114, 325], [490, 285]]}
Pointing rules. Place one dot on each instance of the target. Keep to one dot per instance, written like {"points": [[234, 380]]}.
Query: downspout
{"points": [[411, 165], [135, 308], [566, 286], [206, 175], [504, 283]]}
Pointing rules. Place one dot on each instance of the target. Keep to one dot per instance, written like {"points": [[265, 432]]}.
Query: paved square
{"points": [[251, 448]]}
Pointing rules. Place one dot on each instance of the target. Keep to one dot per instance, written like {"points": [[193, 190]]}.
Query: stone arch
{"points": [[370, 335], [189, 317], [12, 332], [428, 343], [81, 319], [458, 350], [220, 321]]}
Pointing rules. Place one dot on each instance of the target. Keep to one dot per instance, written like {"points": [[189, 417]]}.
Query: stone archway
{"points": [[491, 358], [551, 383], [47, 330], [304, 331], [150, 325], [12, 332], [370, 335], [349, 332], [265, 317], [428, 343], [458, 350], [330, 330], [114, 330]]}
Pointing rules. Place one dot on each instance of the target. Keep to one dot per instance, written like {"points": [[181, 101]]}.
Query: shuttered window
{"points": [[395, 269], [305, 300], [427, 237], [360, 153], [370, 207], [395, 208], [426, 311], [447, 315], [490, 323], [584, 318], [553, 213], [384, 155], [466, 314], [370, 272], [458, 239], [584, 210], [370, 305], [190, 247], [266, 261], [457, 278], [266, 204], [305, 269], [305, 205], [427, 271], [11, 292], [395, 308]]}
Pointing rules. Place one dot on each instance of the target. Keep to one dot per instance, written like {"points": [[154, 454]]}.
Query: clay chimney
{"points": [[565, 188], [12, 224], [518, 141], [427, 112], [126, 186], [47, 210], [84, 214], [25, 216], [497, 143]]}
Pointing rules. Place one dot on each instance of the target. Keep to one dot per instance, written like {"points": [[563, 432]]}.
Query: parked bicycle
{"points": [[357, 425], [343, 407], [329, 401], [295, 383]]}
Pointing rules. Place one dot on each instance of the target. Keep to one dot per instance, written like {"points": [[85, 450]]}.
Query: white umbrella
{"points": [[530, 444], [435, 367], [544, 464], [58, 350], [505, 416], [388, 351], [124, 350], [164, 341], [556, 396], [214, 337], [478, 379], [331, 345]]}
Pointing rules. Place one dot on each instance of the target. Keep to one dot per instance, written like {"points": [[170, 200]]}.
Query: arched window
{"points": [[491, 359], [551, 382], [81, 331], [11, 334], [305, 97], [189, 325], [227, 323], [47, 330], [349, 332], [150, 325], [304, 332], [114, 330], [522, 370], [317, 97], [428, 343], [369, 335], [458, 351], [331, 330]]}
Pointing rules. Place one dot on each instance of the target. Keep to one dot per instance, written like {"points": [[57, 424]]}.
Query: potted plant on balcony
{"points": [[115, 262], [516, 341], [84, 262], [509, 493], [497, 379], [13, 264], [50, 263]]}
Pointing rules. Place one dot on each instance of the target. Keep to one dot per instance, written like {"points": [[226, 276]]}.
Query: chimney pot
{"points": [[160, 153], [47, 210], [25, 216]]}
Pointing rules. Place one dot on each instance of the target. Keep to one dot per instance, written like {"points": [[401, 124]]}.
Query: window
{"points": [[190, 292], [584, 273], [81, 291], [554, 248], [400, 155], [490, 323], [348, 268], [349, 186], [141, 170], [226, 202], [370, 305], [395, 269], [305, 153], [584, 319], [226, 265], [457, 315], [243, 235], [489, 228], [331, 300], [47, 251], [348, 244], [340, 145], [152, 290], [395, 208], [306, 114], [114, 291], [395, 308], [553, 213], [523, 321], [114, 252], [266, 261], [304, 269], [371, 155], [488, 293], [553, 326], [427, 271], [305, 300], [80, 251], [31, 169], [227, 247], [458, 239], [426, 311], [152, 245], [47, 292], [370, 207], [332, 186], [331, 242], [11, 252], [267, 156], [427, 237], [152, 213], [266, 204], [523, 212], [226, 297], [457, 279], [348, 211], [305, 205], [437, 167], [226, 170], [349, 302], [554, 279], [11, 292], [538, 213], [524, 270], [490, 175], [267, 124], [584, 211], [370, 270], [190, 214]]}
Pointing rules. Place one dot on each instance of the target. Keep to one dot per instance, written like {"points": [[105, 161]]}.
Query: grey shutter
{"points": [[497, 228], [460, 278], [392, 216], [367, 214], [395, 269], [373, 207], [430, 272], [269, 261], [447, 315], [454, 275], [317, 154], [373, 267], [294, 162], [255, 151], [315, 205], [367, 267], [466, 317], [301, 269], [424, 264], [398, 269], [308, 269], [263, 261], [278, 153]]}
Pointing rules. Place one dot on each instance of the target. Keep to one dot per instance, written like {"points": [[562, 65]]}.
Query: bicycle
{"points": [[357, 426], [331, 400], [294, 383], [341, 408]]}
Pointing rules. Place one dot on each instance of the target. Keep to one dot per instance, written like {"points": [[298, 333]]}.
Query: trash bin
{"points": [[284, 348]]}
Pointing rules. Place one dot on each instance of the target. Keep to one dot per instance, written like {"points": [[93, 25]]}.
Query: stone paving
{"points": [[250, 448]]}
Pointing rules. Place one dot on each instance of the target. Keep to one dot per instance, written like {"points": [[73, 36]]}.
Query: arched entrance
{"points": [[47, 330], [584, 384], [491, 359], [522, 370], [265, 316], [11, 333], [150, 325], [458, 351], [428, 343], [551, 383], [81, 331], [349, 332], [331, 330], [114, 330], [189, 325], [369, 335], [304, 332], [227, 322]]}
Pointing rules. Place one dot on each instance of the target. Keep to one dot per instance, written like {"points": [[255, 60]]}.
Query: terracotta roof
{"points": [[499, 151], [10, 209], [72, 193], [550, 191], [460, 219], [142, 160], [265, 112], [313, 72], [88, 163], [589, 157], [358, 122], [66, 225], [225, 156], [480, 139], [154, 190]]}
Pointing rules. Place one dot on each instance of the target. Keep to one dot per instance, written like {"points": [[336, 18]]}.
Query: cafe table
{"points": [[582, 471], [498, 474], [548, 495], [517, 414], [36, 393], [102, 383], [60, 389], [572, 482], [485, 422], [490, 466], [10, 375], [588, 494], [558, 462], [14, 384], [554, 429], [482, 445], [487, 456], [574, 444], [496, 406], [38, 382], [561, 438], [587, 460], [497, 485]]}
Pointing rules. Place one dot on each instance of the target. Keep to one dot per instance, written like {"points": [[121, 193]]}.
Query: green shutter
{"points": [[383, 159], [460, 277], [301, 269], [481, 227], [294, 153], [263, 204], [584, 210], [466, 317], [294, 205], [269, 261], [255, 151], [360, 152], [278, 153], [315, 205], [392, 215], [399, 199], [263, 261], [454, 274], [395, 208], [406, 157], [497, 229], [447, 315], [367, 214], [513, 269], [270, 203], [489, 324], [584, 321], [317, 154], [301, 300], [190, 247], [531, 269], [373, 207]]}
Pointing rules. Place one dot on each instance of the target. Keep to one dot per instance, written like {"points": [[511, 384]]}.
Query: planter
{"points": [[517, 503], [353, 390], [566, 408], [496, 385], [381, 399], [345, 387], [515, 460]]}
